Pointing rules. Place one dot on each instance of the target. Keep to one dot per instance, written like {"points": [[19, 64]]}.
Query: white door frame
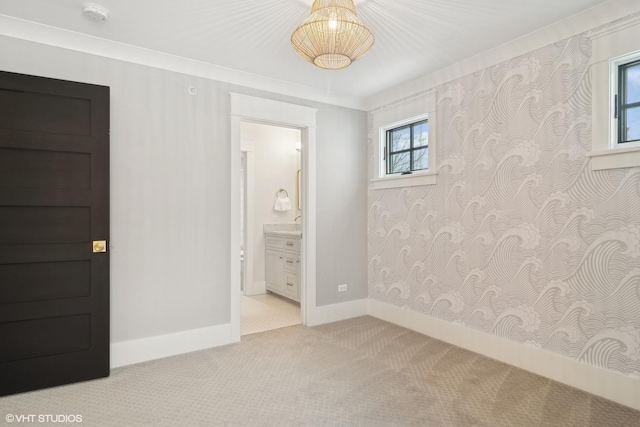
{"points": [[266, 111], [250, 286]]}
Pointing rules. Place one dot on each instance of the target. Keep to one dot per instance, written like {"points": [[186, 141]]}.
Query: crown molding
{"points": [[615, 27], [71, 40], [399, 102], [576, 24]]}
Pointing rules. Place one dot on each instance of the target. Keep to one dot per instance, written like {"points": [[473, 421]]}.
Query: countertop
{"points": [[285, 233]]}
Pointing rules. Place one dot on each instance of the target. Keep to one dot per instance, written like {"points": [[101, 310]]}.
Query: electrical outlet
{"points": [[342, 288]]}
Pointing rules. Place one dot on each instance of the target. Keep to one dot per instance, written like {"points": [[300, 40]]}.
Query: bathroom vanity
{"points": [[282, 262]]}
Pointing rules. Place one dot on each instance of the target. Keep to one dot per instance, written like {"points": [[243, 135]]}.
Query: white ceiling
{"points": [[413, 37]]}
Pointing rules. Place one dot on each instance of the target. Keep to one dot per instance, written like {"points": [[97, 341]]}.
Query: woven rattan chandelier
{"points": [[333, 36]]}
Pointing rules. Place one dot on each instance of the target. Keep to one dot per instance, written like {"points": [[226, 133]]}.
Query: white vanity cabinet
{"points": [[282, 263]]}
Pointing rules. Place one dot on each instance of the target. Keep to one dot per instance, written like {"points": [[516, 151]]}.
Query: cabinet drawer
{"points": [[274, 242], [291, 262], [291, 244], [291, 285]]}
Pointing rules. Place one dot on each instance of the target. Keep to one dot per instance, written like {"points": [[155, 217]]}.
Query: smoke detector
{"points": [[95, 12]]}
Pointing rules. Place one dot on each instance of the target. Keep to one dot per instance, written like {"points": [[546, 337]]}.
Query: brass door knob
{"points": [[99, 246]]}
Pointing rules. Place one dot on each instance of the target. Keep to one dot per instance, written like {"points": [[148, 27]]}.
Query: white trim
{"points": [[251, 287], [613, 46], [340, 311], [66, 39], [576, 24], [234, 228], [601, 382], [141, 350], [260, 110], [615, 158], [614, 40], [631, 149], [398, 181]]}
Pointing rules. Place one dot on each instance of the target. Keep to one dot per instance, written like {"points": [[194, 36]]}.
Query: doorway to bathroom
{"points": [[270, 227], [246, 108]]}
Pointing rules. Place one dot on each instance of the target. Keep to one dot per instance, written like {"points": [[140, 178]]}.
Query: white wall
{"points": [[170, 189], [276, 162]]}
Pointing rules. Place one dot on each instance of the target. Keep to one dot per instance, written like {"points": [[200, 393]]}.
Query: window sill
{"points": [[399, 181], [615, 158]]}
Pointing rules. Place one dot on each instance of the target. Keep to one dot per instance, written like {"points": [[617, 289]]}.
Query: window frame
{"points": [[388, 153], [611, 47], [618, 66], [398, 114]]}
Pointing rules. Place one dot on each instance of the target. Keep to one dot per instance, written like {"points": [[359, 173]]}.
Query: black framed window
{"points": [[628, 102], [407, 148]]}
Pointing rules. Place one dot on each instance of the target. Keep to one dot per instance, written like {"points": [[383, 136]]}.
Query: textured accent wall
{"points": [[519, 238]]}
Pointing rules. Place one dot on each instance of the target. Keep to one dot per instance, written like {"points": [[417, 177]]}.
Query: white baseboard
{"points": [[336, 312], [601, 382], [144, 349]]}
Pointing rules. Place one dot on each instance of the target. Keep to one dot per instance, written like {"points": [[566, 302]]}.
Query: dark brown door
{"points": [[54, 202]]}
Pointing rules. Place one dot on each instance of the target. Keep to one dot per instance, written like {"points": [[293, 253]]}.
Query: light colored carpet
{"points": [[261, 313], [360, 372]]}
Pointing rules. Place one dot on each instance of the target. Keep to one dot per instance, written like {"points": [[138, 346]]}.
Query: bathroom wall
{"points": [[276, 162]]}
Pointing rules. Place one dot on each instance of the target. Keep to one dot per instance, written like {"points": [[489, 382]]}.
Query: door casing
{"points": [[282, 114]]}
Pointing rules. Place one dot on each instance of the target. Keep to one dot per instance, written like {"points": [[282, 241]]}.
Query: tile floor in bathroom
{"points": [[261, 313]]}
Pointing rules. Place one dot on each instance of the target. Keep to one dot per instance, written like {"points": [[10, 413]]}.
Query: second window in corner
{"points": [[627, 102]]}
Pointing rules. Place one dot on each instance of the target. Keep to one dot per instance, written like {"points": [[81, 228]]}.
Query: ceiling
{"points": [[413, 37]]}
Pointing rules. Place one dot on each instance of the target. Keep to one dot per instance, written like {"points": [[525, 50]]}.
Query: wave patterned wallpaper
{"points": [[519, 238]]}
